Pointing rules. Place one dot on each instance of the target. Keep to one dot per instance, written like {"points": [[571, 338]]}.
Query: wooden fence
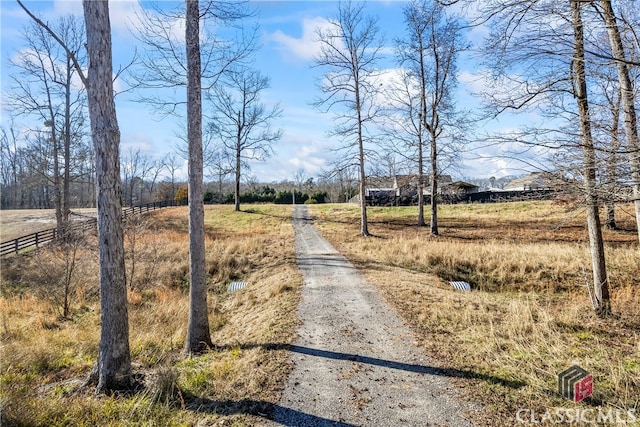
{"points": [[35, 240]]}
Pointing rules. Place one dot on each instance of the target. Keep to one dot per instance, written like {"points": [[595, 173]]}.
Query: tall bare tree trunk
{"points": [[364, 226], [420, 181], [236, 181], [628, 106], [600, 297], [198, 335], [434, 183], [113, 368], [422, 126], [57, 191], [364, 222], [612, 164], [66, 182]]}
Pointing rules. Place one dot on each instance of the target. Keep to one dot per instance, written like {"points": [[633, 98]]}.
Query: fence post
{"points": [[37, 233]]}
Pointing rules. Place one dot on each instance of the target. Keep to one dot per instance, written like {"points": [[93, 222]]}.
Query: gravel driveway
{"points": [[355, 363]]}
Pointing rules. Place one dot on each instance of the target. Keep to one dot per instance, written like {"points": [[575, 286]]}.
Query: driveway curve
{"points": [[355, 361]]}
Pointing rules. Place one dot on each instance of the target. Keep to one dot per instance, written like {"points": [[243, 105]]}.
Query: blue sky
{"points": [[287, 40]]}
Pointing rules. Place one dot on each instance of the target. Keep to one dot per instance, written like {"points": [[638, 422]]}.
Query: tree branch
{"points": [[84, 79]]}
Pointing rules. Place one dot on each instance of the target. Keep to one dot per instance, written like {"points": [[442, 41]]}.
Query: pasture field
{"points": [[45, 358], [16, 223], [528, 316]]}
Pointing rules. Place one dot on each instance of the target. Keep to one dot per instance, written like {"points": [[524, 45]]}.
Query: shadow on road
{"points": [[422, 369], [263, 409], [408, 367], [291, 417]]}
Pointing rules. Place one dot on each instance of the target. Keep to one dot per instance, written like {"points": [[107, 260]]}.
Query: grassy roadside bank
{"points": [[528, 317], [45, 358]]}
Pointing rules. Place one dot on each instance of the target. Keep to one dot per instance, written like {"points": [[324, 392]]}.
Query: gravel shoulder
{"points": [[355, 361]]}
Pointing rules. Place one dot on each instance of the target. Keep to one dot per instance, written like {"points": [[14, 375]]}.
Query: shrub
{"points": [[320, 196], [182, 196]]}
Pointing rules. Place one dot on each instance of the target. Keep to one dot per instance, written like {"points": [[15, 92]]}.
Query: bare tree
{"points": [[547, 40], [39, 166], [430, 51], [342, 181], [349, 50], [403, 126], [198, 335], [601, 299], [10, 166], [168, 65], [172, 163], [299, 177], [627, 101], [611, 165], [45, 87], [219, 163], [608, 139], [112, 370], [162, 70], [136, 166], [155, 168], [242, 121]]}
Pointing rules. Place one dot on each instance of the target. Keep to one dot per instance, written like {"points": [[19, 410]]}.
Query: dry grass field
{"points": [[528, 316], [45, 358]]}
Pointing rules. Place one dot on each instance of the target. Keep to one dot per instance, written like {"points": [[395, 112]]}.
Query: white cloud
{"points": [[65, 7], [395, 85], [475, 82], [124, 16], [486, 163], [296, 151], [502, 154], [132, 141], [29, 58], [305, 47], [310, 157]]}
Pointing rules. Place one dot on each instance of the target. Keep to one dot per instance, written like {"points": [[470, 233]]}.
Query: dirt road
{"points": [[354, 361]]}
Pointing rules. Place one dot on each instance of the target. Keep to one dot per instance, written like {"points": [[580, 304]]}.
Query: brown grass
{"points": [[45, 359], [528, 317]]}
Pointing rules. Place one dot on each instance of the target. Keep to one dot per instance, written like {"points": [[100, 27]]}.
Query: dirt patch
{"points": [[20, 222]]}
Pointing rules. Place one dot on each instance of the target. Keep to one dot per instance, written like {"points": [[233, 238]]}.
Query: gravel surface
{"points": [[355, 361]]}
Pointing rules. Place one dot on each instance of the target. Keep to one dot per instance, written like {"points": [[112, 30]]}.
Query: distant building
{"points": [[533, 181], [407, 185], [403, 190], [459, 188], [381, 187]]}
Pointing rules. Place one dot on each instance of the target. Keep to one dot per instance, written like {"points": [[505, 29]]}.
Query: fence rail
{"points": [[42, 237]]}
